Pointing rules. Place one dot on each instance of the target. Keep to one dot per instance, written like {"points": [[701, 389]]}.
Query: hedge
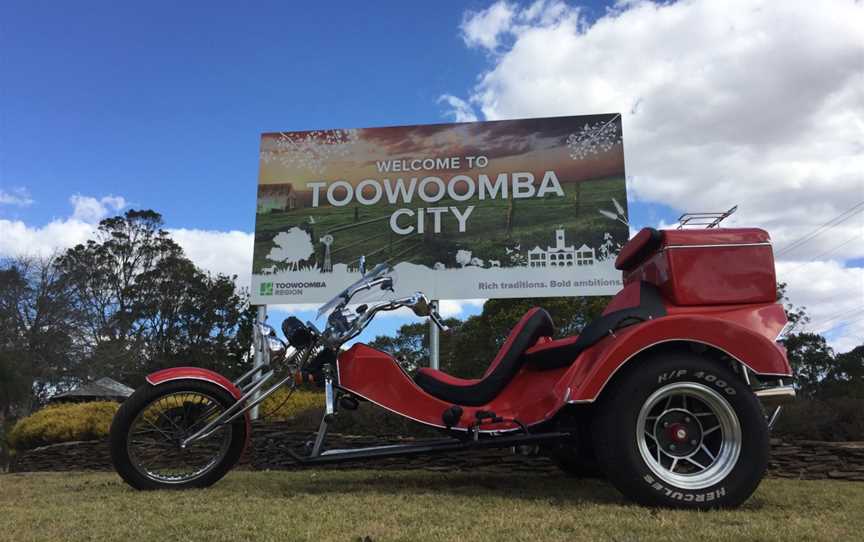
{"points": [[276, 408], [63, 422]]}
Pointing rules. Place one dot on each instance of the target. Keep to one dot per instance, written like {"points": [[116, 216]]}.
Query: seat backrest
{"points": [[638, 249], [534, 324]]}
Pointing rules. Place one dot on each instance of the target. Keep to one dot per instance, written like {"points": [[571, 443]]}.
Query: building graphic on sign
{"points": [[276, 197], [561, 255]]}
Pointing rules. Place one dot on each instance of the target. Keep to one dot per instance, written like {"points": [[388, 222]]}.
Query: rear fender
{"points": [[599, 364], [198, 373]]}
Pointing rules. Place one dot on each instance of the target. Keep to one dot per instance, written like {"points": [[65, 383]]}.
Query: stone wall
{"points": [[789, 459], [813, 460]]}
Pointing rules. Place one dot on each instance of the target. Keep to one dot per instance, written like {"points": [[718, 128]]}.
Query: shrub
{"points": [[276, 408], [368, 419], [835, 419], [63, 422]]}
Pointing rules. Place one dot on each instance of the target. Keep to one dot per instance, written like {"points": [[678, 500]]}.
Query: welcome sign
{"points": [[522, 208]]}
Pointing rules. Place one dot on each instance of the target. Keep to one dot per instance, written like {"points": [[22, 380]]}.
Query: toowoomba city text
{"points": [[430, 190]]}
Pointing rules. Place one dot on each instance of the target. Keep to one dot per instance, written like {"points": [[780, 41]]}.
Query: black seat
{"points": [[534, 324], [650, 306]]}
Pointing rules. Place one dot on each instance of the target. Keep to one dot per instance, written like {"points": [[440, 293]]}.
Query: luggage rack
{"points": [[706, 220]]}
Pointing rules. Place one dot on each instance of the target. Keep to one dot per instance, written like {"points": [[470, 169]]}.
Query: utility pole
{"points": [[258, 360]]}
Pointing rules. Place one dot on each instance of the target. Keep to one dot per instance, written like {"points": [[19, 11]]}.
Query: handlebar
{"points": [[342, 329]]}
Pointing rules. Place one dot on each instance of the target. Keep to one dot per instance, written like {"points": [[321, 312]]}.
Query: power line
{"points": [[843, 317], [804, 239], [827, 252]]}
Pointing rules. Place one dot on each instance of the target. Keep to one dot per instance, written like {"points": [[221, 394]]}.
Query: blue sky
{"points": [[163, 104]]}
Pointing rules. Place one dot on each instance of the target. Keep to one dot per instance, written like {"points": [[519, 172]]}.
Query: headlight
{"points": [[298, 335]]}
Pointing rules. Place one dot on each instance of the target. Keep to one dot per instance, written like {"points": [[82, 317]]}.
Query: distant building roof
{"points": [[104, 388]]}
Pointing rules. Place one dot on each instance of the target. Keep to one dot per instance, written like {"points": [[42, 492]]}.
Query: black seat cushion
{"points": [[534, 324], [650, 306]]}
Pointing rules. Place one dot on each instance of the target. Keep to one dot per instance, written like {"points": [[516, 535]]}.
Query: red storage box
{"points": [[703, 267]]}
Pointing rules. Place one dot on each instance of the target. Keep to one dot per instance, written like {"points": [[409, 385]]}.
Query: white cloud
{"points": [[754, 103], [19, 239], [89, 209], [460, 110], [18, 196], [483, 28], [833, 296], [452, 308], [227, 252]]}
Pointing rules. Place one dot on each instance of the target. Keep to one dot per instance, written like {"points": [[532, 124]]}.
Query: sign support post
{"points": [[434, 339], [258, 360]]}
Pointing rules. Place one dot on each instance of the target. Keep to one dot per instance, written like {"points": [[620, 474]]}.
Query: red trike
{"points": [[670, 393]]}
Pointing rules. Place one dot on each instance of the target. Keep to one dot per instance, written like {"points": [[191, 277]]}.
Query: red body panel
{"points": [[718, 287], [711, 267], [197, 373], [377, 377], [741, 332]]}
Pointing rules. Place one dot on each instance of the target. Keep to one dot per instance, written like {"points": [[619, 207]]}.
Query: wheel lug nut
{"points": [[671, 446], [665, 424], [693, 442], [687, 419]]}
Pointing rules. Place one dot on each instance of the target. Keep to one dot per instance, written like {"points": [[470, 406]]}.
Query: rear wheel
{"points": [[679, 430], [147, 430]]}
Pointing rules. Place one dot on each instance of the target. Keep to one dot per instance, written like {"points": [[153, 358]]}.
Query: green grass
{"points": [[390, 505]]}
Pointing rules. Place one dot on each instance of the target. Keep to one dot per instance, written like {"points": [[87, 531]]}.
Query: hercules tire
{"points": [[148, 395], [668, 406]]}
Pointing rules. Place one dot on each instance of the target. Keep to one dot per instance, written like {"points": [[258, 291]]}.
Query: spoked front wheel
{"points": [[681, 430], [148, 429]]}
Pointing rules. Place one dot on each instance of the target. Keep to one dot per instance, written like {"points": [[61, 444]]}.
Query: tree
{"points": [[470, 346], [410, 345], [38, 355], [797, 316], [811, 359], [143, 304]]}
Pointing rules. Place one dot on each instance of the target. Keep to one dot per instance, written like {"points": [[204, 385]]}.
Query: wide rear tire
{"points": [[149, 424], [679, 430]]}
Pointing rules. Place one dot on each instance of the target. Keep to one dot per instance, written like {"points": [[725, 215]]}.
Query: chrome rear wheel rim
{"points": [[688, 435], [153, 441]]}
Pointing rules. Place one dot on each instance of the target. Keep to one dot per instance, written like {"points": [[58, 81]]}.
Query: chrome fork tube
{"points": [[239, 408], [236, 409], [246, 376], [329, 397]]}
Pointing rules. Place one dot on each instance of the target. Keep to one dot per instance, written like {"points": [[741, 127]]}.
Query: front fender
{"points": [[198, 373], [594, 371], [194, 373]]}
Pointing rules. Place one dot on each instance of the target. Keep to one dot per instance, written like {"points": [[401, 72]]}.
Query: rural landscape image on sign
{"points": [[523, 208]]}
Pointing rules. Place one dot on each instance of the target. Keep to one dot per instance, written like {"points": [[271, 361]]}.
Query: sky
{"points": [[106, 106]]}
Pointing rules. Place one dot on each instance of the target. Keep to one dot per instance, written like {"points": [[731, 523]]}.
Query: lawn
{"points": [[403, 505]]}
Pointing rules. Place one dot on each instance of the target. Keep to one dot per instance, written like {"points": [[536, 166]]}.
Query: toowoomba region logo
{"points": [[266, 288]]}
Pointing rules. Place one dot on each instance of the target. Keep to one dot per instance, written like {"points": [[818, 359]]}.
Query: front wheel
{"points": [[147, 430], [678, 430]]}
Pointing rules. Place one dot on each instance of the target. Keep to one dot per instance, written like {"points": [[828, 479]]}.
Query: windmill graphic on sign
{"points": [[327, 240]]}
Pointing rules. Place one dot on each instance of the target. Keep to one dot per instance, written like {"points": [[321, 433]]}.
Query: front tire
{"points": [[682, 431], [149, 425]]}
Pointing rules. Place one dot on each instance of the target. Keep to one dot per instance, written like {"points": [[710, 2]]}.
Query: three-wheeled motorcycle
{"points": [[670, 393]]}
